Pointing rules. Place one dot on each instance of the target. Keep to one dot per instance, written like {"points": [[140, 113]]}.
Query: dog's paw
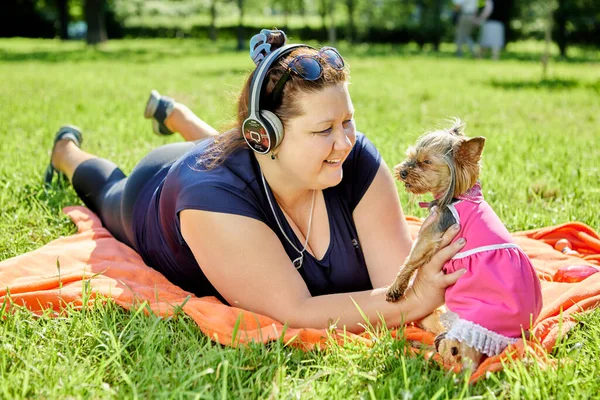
{"points": [[396, 291], [393, 295]]}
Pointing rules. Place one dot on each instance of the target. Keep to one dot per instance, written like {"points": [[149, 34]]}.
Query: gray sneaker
{"points": [[66, 132], [158, 109]]}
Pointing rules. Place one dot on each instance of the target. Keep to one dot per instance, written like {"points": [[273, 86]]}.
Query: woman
{"points": [[298, 230]]}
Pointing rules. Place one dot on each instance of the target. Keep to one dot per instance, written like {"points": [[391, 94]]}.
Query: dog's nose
{"points": [[403, 174]]}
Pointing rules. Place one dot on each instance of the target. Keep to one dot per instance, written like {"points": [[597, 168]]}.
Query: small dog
{"points": [[500, 294]]}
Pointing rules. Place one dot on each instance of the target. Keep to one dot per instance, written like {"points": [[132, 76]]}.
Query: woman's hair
{"points": [[286, 109]]}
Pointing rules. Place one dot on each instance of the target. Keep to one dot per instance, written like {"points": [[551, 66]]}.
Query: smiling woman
{"points": [[291, 214]]}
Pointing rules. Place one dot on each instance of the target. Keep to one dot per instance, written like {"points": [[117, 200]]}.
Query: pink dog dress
{"points": [[500, 294]]}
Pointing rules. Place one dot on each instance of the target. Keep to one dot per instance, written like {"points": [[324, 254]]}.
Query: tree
{"points": [[288, 8], [573, 21], [561, 16], [323, 8], [95, 19], [241, 42], [23, 18], [212, 29], [63, 18], [351, 30], [551, 6], [430, 23], [332, 33], [326, 10]]}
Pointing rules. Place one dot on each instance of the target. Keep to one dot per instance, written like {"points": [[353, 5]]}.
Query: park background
{"points": [[538, 108], [425, 22]]}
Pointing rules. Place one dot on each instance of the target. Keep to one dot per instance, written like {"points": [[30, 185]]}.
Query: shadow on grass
{"points": [[143, 53], [222, 72], [556, 84], [447, 52]]}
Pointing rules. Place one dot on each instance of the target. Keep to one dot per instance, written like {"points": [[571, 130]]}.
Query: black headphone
{"points": [[263, 130]]}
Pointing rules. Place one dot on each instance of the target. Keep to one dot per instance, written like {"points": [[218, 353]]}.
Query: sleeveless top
{"points": [[235, 187]]}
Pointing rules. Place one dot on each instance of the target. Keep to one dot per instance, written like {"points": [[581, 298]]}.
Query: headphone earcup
{"points": [[275, 126]]}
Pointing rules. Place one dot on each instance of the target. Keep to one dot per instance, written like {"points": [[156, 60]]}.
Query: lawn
{"points": [[541, 167]]}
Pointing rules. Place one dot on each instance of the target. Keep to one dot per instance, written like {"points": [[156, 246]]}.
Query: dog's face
{"points": [[444, 163], [423, 171]]}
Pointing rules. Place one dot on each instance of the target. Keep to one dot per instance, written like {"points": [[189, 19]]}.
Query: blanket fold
{"points": [[92, 260]]}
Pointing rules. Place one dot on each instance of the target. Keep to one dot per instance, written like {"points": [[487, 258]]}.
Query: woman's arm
{"points": [[386, 242], [382, 228], [247, 264]]}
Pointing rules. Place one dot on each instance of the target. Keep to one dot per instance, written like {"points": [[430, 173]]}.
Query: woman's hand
{"points": [[431, 282]]}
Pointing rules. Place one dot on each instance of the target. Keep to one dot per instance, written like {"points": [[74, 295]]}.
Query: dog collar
{"points": [[474, 195]]}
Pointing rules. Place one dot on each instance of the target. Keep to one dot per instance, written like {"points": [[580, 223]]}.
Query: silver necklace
{"points": [[298, 261]]}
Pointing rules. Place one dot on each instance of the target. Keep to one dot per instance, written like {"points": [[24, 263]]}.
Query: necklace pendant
{"points": [[298, 261]]}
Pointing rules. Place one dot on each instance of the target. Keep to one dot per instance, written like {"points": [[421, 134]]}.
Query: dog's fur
{"points": [[445, 163]]}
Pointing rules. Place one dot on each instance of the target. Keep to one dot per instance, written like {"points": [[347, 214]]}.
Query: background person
{"points": [[465, 22]]}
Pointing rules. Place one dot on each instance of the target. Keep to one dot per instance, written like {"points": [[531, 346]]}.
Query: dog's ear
{"points": [[469, 151]]}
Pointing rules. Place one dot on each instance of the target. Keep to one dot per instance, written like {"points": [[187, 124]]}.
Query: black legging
{"points": [[108, 192]]}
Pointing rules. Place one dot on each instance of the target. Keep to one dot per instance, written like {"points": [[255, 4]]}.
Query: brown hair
{"points": [[288, 108]]}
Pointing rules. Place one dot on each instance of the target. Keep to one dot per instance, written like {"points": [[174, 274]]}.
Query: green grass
{"points": [[541, 167]]}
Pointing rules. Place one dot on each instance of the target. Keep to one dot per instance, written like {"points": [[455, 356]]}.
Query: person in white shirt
{"points": [[468, 18]]}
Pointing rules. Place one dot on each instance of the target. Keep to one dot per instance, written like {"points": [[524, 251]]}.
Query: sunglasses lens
{"points": [[308, 68], [333, 58]]}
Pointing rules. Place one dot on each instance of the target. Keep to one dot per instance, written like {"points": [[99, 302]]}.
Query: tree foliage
{"points": [[421, 21]]}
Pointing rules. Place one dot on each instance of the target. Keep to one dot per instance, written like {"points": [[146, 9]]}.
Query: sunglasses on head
{"points": [[308, 67]]}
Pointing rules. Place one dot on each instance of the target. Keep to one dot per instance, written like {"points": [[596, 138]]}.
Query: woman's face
{"points": [[316, 143]]}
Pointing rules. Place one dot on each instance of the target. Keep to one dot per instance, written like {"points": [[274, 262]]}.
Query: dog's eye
{"points": [[426, 161]]}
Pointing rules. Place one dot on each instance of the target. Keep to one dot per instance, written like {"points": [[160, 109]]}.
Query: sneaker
{"points": [[68, 132], [158, 109]]}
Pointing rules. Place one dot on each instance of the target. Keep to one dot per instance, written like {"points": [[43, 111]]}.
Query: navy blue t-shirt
{"points": [[235, 187]]}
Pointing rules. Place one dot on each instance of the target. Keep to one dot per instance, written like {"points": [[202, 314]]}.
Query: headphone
{"points": [[263, 130]]}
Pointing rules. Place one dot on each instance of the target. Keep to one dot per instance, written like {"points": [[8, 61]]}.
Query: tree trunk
{"points": [[560, 22], [63, 18], [547, 40], [437, 24], [241, 43], [369, 16], [323, 13], [332, 33], [96, 25], [212, 30], [351, 33], [431, 24]]}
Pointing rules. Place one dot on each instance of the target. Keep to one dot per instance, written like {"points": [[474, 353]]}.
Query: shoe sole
{"points": [[152, 104], [50, 170], [73, 129]]}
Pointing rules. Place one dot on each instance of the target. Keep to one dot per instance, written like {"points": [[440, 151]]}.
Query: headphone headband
{"points": [[262, 130], [261, 73]]}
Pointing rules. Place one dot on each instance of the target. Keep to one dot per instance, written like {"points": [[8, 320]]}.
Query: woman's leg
{"points": [[105, 189], [98, 182], [66, 157], [153, 162], [188, 124]]}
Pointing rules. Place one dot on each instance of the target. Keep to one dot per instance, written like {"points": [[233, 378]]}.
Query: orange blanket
{"points": [[55, 274]]}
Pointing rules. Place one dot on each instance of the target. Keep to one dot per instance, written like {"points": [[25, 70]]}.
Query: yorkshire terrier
{"points": [[499, 296]]}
